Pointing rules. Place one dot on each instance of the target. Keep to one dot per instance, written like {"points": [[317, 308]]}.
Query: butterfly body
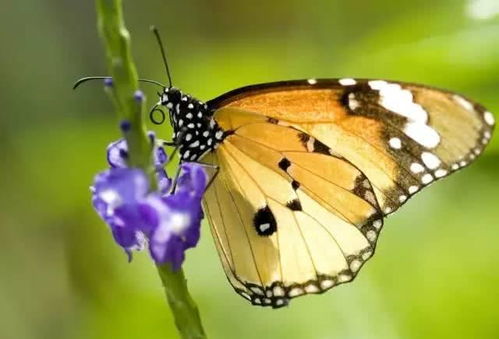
{"points": [[195, 130], [310, 168]]}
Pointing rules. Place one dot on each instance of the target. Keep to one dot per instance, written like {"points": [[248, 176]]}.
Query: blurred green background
{"points": [[436, 271]]}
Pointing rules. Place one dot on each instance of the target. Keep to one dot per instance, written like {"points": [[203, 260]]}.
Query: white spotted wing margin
{"points": [[328, 219]]}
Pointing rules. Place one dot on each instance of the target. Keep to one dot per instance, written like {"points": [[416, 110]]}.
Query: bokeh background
{"points": [[436, 272]]}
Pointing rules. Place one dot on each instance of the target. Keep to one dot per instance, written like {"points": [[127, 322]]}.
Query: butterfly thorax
{"points": [[194, 129]]}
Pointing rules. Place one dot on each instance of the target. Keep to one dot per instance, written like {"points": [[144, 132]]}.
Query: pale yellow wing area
{"points": [[401, 136], [288, 216]]}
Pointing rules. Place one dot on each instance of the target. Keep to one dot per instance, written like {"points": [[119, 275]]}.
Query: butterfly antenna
{"points": [[82, 80], [163, 53]]}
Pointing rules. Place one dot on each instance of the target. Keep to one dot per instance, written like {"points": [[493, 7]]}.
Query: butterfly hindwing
{"points": [[289, 216]]}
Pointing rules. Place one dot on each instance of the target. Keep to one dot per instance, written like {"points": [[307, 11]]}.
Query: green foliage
{"points": [[435, 271]]}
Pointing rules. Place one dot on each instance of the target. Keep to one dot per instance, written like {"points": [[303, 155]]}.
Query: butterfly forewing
{"points": [[401, 136]]}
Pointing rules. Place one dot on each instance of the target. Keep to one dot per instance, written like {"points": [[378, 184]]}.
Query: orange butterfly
{"points": [[308, 170]]}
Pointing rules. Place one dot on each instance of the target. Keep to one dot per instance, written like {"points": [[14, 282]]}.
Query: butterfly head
{"points": [[194, 129]]}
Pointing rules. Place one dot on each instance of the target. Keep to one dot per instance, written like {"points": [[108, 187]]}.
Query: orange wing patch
{"points": [[401, 136], [326, 217]]}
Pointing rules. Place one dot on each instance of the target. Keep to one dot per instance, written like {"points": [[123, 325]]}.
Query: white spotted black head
{"points": [[195, 130]]}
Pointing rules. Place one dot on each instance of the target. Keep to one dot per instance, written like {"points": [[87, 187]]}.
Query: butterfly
{"points": [[309, 169]]}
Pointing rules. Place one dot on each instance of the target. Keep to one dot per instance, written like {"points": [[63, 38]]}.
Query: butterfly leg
{"points": [[216, 168]]}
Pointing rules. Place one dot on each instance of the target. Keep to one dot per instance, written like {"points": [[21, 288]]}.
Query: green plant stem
{"points": [[187, 316], [125, 81], [125, 84]]}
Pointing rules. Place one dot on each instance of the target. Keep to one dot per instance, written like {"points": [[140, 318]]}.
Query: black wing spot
{"points": [[284, 164], [264, 222], [304, 138], [319, 147], [294, 205], [273, 121], [295, 184]]}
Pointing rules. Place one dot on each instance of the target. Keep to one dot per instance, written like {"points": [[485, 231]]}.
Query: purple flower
{"points": [[117, 155], [169, 223]]}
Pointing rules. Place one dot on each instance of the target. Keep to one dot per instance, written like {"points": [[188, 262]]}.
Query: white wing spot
{"points": [[278, 291], [186, 154], [296, 291], [430, 160], [401, 101], [413, 189], [245, 295], [455, 166], [427, 178], [440, 173], [352, 102], [312, 81], [463, 102], [188, 115], [219, 135], [371, 235], [395, 143], [188, 137], [367, 255], [345, 277], [489, 118], [355, 265], [423, 134], [257, 290], [403, 198], [347, 82], [264, 227], [325, 284], [377, 224], [311, 288], [310, 145], [417, 167]]}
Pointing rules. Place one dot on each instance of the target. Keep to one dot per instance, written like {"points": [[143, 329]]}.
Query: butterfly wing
{"points": [[401, 136], [287, 220], [309, 169]]}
